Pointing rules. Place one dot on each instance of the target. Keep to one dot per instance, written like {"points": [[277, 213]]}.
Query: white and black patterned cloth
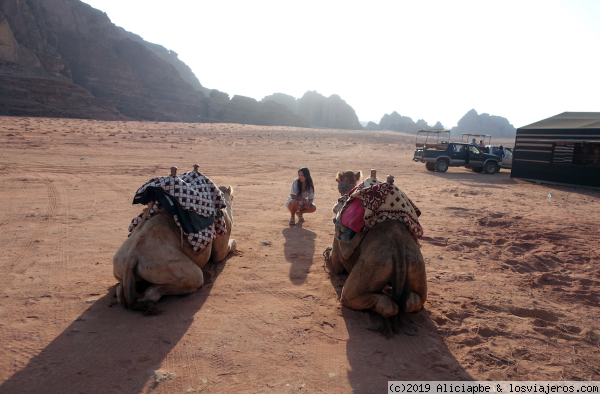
{"points": [[195, 192]]}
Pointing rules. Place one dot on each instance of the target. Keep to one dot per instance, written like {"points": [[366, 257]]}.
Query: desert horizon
{"points": [[513, 284]]}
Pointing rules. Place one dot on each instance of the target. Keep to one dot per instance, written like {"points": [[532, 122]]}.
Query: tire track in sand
{"points": [[27, 245], [25, 198], [63, 264]]}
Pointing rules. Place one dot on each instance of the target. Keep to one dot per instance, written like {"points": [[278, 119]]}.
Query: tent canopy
{"points": [[567, 120]]}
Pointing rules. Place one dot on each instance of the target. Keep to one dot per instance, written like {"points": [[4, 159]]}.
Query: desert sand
{"points": [[513, 278]]}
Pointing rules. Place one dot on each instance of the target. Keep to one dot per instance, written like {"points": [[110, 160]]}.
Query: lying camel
{"points": [[386, 255], [153, 255]]}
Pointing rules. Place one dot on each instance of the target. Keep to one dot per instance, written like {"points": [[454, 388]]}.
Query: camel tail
{"points": [[400, 292], [129, 281]]}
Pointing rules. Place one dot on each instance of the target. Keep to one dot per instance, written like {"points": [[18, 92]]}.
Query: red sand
{"points": [[269, 319]]}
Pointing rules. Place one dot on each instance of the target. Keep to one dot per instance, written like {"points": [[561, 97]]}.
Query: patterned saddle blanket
{"points": [[381, 202], [194, 192]]}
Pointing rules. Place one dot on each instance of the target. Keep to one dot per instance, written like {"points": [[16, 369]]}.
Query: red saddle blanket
{"points": [[354, 216]]}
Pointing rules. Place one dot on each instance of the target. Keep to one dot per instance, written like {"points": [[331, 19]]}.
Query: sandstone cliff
{"points": [[475, 123], [172, 58], [71, 42], [318, 110]]}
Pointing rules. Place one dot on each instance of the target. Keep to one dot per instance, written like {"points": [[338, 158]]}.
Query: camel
{"points": [[385, 255], [152, 258]]}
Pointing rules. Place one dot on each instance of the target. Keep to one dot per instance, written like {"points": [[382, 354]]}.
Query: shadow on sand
{"points": [[299, 248], [418, 353], [111, 349]]}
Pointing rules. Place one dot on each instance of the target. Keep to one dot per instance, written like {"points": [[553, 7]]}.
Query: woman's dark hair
{"points": [[309, 181]]}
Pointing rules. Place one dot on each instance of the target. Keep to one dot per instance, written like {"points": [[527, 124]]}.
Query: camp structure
{"points": [[563, 149]]}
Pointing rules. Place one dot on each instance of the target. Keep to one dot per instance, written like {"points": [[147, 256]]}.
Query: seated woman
{"points": [[301, 196]]}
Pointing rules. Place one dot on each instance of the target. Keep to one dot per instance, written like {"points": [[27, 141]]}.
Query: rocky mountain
{"points": [[67, 42], [318, 110], [290, 102], [63, 58], [241, 109], [404, 124], [371, 126], [475, 123]]}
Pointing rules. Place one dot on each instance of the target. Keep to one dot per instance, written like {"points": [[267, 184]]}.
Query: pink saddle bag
{"points": [[354, 216]]}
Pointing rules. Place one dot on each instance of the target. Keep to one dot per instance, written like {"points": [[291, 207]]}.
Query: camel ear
{"points": [[358, 175], [229, 190], [338, 176]]}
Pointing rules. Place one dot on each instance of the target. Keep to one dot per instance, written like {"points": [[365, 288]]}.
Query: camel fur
{"points": [[152, 255]]}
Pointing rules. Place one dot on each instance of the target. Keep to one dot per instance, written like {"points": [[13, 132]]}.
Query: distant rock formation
{"points": [[404, 124], [437, 126], [290, 102], [372, 126], [474, 123], [318, 110], [241, 109]]}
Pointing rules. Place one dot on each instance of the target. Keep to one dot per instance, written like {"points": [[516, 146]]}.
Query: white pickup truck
{"points": [[508, 155]]}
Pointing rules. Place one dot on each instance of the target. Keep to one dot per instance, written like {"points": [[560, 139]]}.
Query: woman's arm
{"points": [[295, 197]]}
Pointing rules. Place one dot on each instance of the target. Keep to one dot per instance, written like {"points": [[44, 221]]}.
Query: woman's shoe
{"points": [[292, 221], [300, 219]]}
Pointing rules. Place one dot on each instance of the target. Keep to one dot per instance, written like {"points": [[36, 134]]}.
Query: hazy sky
{"points": [[435, 60]]}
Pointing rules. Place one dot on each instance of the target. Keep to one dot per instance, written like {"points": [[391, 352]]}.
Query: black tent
{"points": [[563, 149]]}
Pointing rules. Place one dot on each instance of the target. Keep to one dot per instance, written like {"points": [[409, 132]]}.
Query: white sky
{"points": [[435, 60]]}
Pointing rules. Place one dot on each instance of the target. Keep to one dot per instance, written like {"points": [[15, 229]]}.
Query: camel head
{"points": [[228, 196], [347, 180], [227, 192]]}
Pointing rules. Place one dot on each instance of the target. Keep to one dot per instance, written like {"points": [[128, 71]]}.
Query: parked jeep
{"points": [[508, 155], [460, 155], [431, 141]]}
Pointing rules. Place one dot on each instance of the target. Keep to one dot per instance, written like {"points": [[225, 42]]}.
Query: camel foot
{"points": [[119, 293], [413, 303], [232, 245]]}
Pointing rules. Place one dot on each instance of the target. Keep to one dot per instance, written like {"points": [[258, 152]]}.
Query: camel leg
{"points": [[155, 292], [335, 258], [221, 249], [417, 283], [363, 290], [175, 275], [222, 246]]}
